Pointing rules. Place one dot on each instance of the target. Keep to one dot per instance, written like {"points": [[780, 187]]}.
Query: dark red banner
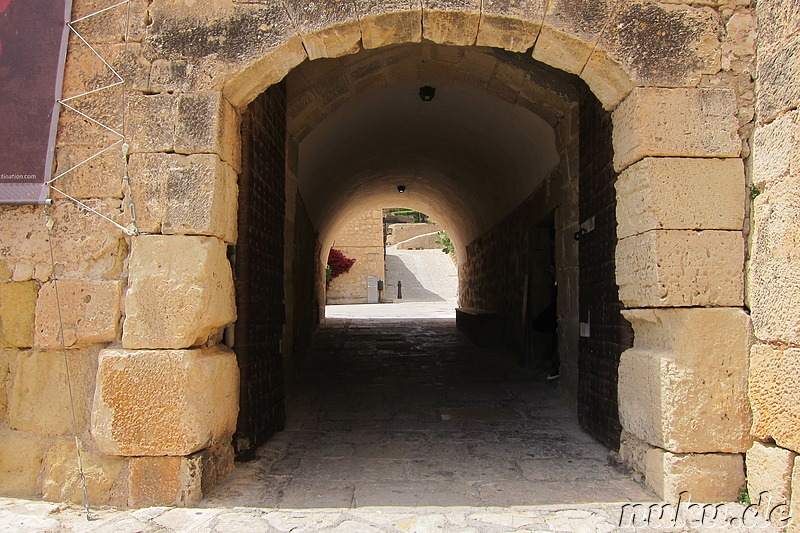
{"points": [[32, 51]]}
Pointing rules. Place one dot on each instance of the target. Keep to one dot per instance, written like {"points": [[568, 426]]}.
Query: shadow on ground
{"points": [[410, 413]]}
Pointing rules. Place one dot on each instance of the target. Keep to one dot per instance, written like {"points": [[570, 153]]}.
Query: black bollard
{"points": [[399, 290]]}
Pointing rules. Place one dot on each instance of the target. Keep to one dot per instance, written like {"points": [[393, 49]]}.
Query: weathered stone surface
{"points": [[702, 478], [683, 385], [390, 22], [680, 193], [608, 80], [164, 481], [40, 401], [571, 29], [774, 263], [778, 67], [89, 175], [769, 471], [452, 22], [17, 306], [151, 123], [329, 29], [20, 462], [265, 71], [189, 195], [675, 122], [675, 268], [775, 394], [6, 357], [663, 45], [180, 292], [110, 26], [84, 71], [88, 310], [85, 246], [61, 481], [794, 509], [510, 24], [164, 402], [207, 123], [169, 75]]}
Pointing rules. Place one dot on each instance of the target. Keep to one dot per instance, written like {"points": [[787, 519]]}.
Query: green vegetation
{"points": [[445, 242]]}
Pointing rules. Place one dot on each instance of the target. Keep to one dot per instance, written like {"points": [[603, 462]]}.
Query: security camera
{"points": [[401, 189]]}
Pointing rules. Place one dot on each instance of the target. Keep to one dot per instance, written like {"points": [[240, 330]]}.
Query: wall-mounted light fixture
{"points": [[401, 189], [427, 93]]}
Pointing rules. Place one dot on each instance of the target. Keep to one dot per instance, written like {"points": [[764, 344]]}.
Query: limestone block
{"points": [[186, 195], [208, 124], [164, 481], [389, 22], [663, 45], [329, 29], [705, 478], [39, 401], [164, 402], [89, 311], [776, 151], [6, 356], [794, 509], [570, 31], [775, 394], [90, 175], [17, 306], [672, 268], [84, 71], [608, 80], [452, 22], [151, 123], [510, 24], [769, 470], [265, 71], [110, 26], [61, 481], [180, 292], [675, 122], [169, 75], [20, 463], [778, 49], [680, 193], [774, 266], [683, 385], [85, 245]]}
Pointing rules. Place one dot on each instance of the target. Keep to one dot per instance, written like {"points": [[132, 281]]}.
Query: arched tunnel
{"points": [[512, 156]]}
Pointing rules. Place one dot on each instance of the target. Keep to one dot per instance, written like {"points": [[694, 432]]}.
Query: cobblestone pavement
{"points": [[406, 426]]}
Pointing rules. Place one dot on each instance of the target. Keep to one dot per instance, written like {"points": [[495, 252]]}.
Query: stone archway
{"points": [[677, 139]]}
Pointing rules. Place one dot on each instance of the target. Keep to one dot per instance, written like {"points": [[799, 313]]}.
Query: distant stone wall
{"points": [[400, 232], [362, 240], [421, 242]]}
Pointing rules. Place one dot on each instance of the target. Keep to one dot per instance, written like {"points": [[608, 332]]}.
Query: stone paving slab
{"points": [[25, 516]]}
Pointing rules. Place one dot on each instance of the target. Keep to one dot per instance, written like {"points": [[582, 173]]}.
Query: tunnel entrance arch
{"points": [[667, 129]]}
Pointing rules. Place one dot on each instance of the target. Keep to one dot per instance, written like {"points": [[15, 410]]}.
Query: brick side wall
{"points": [[609, 333], [259, 275]]}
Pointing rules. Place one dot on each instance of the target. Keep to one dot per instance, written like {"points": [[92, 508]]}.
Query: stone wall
{"points": [[361, 239], [678, 78], [773, 270], [400, 232], [493, 273]]}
